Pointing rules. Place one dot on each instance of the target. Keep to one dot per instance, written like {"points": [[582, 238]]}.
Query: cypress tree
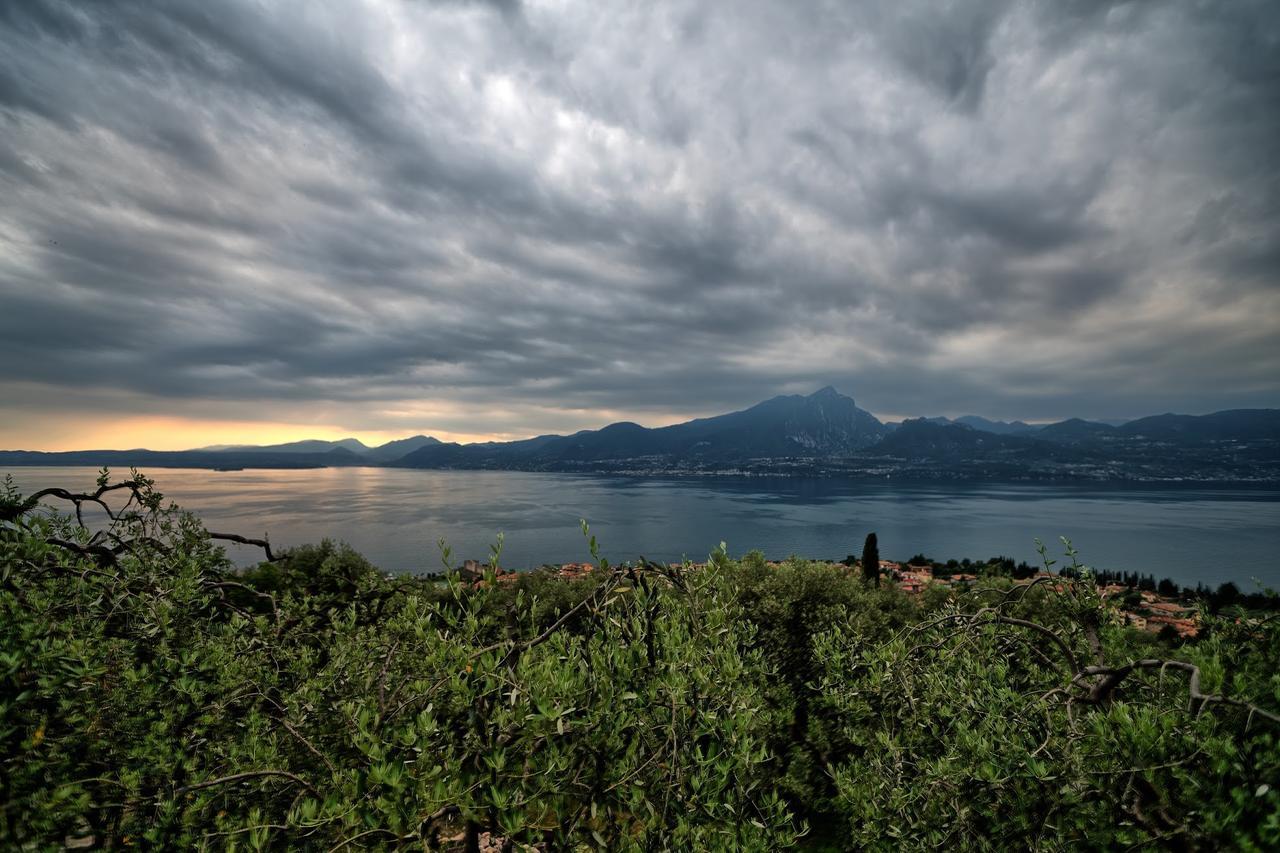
{"points": [[871, 560]]}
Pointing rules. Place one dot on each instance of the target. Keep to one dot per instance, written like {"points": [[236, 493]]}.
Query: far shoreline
{"points": [[912, 478]]}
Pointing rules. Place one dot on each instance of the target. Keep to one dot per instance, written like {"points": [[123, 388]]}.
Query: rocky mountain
{"points": [[825, 423]]}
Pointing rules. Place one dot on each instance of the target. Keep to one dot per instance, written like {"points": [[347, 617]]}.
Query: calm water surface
{"points": [[394, 517]]}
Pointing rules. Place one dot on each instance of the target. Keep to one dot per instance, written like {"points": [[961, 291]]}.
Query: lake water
{"points": [[394, 517]]}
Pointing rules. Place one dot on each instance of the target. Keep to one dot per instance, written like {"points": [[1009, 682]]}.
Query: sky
{"points": [[244, 221]]}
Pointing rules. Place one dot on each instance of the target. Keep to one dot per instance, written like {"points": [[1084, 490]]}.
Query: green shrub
{"points": [[791, 604], [158, 699], [974, 732], [151, 696]]}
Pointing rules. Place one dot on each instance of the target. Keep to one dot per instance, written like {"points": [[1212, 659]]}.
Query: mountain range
{"points": [[822, 433], [381, 453]]}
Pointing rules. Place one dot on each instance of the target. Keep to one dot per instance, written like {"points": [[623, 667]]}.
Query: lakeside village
{"points": [[1162, 611]]}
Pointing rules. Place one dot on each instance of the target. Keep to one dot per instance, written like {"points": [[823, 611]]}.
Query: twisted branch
{"points": [[251, 774], [12, 512], [1110, 678], [1099, 681], [244, 540]]}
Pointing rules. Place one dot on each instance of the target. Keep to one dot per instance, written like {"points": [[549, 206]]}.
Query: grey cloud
{"points": [[1018, 219], [1010, 208], [947, 45]]}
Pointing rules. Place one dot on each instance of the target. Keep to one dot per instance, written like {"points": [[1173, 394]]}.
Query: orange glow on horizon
{"points": [[176, 433]]}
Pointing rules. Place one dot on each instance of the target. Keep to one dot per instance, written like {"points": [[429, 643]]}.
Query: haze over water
{"points": [[394, 517]]}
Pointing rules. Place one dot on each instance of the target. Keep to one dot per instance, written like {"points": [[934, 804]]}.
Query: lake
{"points": [[1189, 533]]}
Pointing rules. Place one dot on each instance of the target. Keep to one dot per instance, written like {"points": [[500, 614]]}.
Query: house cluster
{"points": [[1140, 609], [1148, 611], [914, 578], [574, 571], [474, 571]]}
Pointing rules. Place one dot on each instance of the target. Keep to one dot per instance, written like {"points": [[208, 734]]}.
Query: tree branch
{"points": [[13, 511], [596, 596], [1111, 678], [1043, 631], [251, 774], [244, 540]]}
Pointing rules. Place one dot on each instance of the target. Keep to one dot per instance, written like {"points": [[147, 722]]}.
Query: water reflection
{"points": [[1190, 533]]}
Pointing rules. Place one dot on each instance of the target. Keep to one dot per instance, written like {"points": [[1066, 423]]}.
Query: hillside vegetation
{"points": [[153, 697]]}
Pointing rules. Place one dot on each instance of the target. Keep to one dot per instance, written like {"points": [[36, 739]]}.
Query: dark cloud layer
{"points": [[397, 215]]}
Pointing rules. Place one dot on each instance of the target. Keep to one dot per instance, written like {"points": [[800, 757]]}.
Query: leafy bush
{"points": [[979, 728], [156, 698], [793, 604], [151, 696]]}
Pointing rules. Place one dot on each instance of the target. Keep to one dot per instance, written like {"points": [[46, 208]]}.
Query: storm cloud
{"points": [[505, 218]]}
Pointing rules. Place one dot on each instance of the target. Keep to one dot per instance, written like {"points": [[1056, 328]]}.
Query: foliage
{"points": [[793, 604], [161, 700], [152, 696], [976, 728]]}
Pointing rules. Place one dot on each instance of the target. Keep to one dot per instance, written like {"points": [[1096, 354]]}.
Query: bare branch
{"points": [[597, 596], [1111, 678], [244, 540], [358, 836], [221, 585], [105, 557], [382, 678], [251, 774], [989, 616], [12, 512], [311, 747], [1045, 632]]}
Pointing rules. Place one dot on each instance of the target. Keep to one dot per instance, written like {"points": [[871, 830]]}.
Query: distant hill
{"points": [[393, 450], [310, 445], [382, 453], [962, 449], [984, 425], [997, 427], [337, 457], [1230, 425], [1075, 431], [485, 454], [928, 438]]}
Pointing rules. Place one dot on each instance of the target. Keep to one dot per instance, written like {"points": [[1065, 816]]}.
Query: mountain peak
{"points": [[826, 392]]}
